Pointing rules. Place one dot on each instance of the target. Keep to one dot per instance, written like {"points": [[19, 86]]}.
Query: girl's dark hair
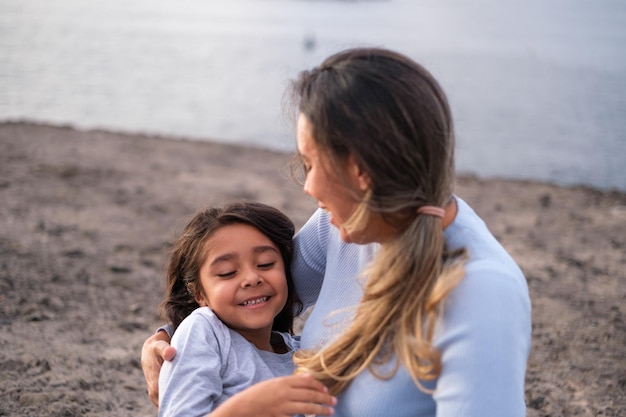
{"points": [[189, 253]]}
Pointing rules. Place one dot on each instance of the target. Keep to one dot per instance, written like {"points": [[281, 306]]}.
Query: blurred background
{"points": [[537, 87]]}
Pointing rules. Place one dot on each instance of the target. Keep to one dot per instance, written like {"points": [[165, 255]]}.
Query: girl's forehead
{"points": [[237, 237]]}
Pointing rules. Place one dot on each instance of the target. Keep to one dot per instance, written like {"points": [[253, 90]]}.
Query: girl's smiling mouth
{"points": [[254, 301]]}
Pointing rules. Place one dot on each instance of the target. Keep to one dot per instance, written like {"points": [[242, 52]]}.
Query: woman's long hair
{"points": [[389, 114], [190, 251]]}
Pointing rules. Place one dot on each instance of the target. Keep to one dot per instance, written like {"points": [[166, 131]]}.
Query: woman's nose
{"points": [[306, 187]]}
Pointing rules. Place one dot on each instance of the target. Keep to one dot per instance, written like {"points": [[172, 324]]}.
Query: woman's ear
{"points": [[358, 175]]}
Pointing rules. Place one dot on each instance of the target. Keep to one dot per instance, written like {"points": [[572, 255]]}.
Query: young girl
{"points": [[231, 302]]}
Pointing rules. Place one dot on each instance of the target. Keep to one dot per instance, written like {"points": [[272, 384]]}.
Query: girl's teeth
{"points": [[253, 302]]}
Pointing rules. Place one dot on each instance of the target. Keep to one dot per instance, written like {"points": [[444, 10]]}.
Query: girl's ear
{"points": [[201, 299], [360, 177]]}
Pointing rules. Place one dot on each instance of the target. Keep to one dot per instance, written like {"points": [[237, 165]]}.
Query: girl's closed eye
{"points": [[266, 265], [227, 274]]}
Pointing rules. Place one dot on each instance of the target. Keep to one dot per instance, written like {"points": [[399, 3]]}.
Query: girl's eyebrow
{"points": [[261, 249], [229, 256], [223, 258]]}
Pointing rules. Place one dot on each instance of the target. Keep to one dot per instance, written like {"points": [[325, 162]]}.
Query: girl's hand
{"points": [[280, 397]]}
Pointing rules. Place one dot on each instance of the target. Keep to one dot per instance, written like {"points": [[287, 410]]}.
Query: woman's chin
{"points": [[351, 237], [345, 237], [343, 233]]}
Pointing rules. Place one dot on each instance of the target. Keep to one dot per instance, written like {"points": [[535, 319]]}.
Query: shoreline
{"points": [[251, 146], [87, 217]]}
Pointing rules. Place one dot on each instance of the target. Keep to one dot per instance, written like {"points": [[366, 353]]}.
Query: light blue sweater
{"points": [[483, 336], [213, 363]]}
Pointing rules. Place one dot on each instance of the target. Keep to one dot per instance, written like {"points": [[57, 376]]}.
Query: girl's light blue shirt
{"points": [[212, 364]]}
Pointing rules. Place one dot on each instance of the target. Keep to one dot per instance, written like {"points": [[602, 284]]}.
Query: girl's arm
{"points": [[191, 384], [284, 396]]}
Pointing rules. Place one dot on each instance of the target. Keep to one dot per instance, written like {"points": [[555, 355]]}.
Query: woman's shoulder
{"points": [[489, 262], [291, 341], [492, 298], [315, 231]]}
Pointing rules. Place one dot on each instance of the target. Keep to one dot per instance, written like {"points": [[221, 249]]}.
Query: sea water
{"points": [[537, 87]]}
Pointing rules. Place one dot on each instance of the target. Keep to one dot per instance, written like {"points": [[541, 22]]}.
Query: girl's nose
{"points": [[252, 279]]}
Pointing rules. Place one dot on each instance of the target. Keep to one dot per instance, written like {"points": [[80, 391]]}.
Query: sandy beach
{"points": [[87, 217]]}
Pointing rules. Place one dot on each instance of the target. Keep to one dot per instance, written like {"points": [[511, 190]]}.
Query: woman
{"points": [[438, 323]]}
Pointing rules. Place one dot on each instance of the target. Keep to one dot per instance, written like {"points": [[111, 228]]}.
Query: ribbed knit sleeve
{"points": [[309, 260]]}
